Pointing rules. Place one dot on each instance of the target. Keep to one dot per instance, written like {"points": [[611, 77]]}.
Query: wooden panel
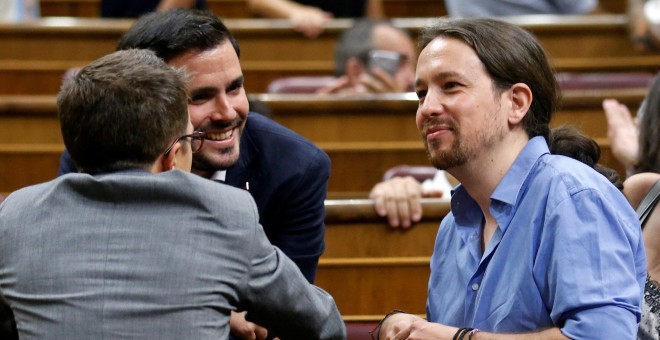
{"points": [[370, 268], [44, 76], [368, 118], [388, 118], [375, 289], [21, 166], [598, 36], [363, 136], [355, 168], [355, 230], [70, 8]]}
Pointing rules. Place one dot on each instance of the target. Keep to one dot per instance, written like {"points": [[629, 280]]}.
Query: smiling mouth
{"points": [[219, 136]]}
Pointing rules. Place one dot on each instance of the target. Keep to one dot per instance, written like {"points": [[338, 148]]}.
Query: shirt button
{"points": [[475, 286]]}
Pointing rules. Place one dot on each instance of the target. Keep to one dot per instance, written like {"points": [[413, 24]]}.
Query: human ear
{"points": [[169, 162], [521, 99]]}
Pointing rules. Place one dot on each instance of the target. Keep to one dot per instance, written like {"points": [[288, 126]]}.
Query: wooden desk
{"points": [[273, 40], [391, 117], [370, 268], [33, 56]]}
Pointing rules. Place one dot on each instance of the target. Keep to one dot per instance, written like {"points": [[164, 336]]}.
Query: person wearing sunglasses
{"points": [[134, 246]]}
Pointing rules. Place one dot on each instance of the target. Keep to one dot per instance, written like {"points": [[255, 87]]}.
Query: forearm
{"points": [[375, 9], [274, 8], [165, 5], [404, 326]]}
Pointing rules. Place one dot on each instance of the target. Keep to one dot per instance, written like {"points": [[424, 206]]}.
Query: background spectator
{"points": [[309, 16]]}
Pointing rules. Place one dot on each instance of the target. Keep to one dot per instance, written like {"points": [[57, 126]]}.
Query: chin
{"points": [[218, 160]]}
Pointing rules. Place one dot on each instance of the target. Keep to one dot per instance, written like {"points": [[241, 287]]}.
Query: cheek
{"points": [[240, 104], [419, 121], [197, 115]]}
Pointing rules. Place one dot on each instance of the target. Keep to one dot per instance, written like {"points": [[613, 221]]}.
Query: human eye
{"points": [[236, 86], [421, 93], [200, 97], [451, 85]]}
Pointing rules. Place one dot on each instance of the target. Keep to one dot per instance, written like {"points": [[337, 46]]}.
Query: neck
{"points": [[481, 175]]}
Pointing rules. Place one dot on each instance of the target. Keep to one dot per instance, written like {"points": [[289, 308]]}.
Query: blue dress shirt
{"points": [[567, 253]]}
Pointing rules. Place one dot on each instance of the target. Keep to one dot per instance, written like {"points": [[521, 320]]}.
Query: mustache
{"points": [[435, 121], [220, 125]]}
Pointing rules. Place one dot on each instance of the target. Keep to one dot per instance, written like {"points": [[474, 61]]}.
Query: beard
{"points": [[209, 159], [463, 148], [221, 159]]}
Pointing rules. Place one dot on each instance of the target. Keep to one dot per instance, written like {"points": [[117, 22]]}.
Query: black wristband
{"points": [[461, 333]]}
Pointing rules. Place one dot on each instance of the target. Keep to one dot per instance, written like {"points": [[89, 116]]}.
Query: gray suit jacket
{"points": [[135, 255]]}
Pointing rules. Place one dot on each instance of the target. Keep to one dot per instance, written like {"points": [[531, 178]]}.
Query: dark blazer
{"points": [[288, 179]]}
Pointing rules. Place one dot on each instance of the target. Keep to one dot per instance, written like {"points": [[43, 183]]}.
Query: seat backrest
{"points": [[359, 330], [604, 80], [420, 173], [299, 84]]}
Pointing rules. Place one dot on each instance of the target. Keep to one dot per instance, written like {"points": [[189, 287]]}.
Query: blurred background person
{"points": [[644, 24], [309, 16], [18, 10], [373, 56], [635, 141]]}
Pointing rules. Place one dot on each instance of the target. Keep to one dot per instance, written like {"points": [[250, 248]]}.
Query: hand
{"points": [[309, 20], [622, 132], [378, 81], [244, 329], [406, 326], [398, 199], [340, 85]]}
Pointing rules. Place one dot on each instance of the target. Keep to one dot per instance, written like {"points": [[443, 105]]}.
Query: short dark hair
{"points": [[649, 131], [510, 55], [122, 111], [177, 31]]}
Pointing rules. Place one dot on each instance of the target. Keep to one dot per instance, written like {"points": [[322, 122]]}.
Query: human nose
{"points": [[431, 105], [223, 109]]}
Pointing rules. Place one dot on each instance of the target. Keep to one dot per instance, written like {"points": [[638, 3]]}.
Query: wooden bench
{"points": [[370, 268], [576, 44], [364, 136], [568, 39]]}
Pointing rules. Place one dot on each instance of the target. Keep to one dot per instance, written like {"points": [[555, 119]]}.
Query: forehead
{"points": [[391, 39], [218, 61], [445, 54]]}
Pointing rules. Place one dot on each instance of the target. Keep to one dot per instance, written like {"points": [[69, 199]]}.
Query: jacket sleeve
{"points": [[277, 296], [302, 230]]}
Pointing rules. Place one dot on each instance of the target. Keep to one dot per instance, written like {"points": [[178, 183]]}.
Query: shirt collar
{"points": [[509, 188], [464, 208], [219, 175]]}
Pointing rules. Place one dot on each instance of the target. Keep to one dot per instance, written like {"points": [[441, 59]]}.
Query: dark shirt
{"points": [[133, 8], [339, 8]]}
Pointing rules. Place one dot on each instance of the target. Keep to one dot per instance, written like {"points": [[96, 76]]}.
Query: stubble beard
{"points": [[462, 149], [210, 164]]}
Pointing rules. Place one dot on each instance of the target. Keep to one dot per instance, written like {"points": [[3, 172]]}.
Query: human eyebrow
{"points": [[236, 83], [202, 91]]}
